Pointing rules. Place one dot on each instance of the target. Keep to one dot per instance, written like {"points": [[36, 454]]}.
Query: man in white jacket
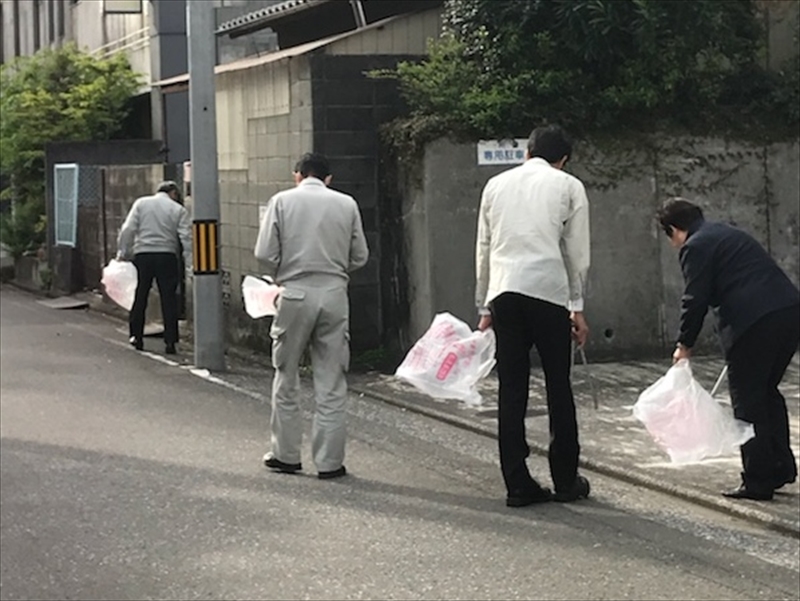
{"points": [[311, 237], [150, 236], [532, 258]]}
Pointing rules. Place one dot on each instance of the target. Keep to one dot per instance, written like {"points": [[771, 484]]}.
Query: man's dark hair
{"points": [[312, 164], [549, 143], [168, 186], [678, 213]]}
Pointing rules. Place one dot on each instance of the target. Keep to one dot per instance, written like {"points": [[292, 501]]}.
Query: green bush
{"points": [[53, 96], [503, 66], [23, 228]]}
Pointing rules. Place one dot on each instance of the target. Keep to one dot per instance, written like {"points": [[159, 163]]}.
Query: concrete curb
{"points": [[98, 303], [28, 289], [681, 492]]}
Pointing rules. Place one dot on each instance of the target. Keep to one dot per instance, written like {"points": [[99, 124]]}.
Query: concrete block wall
{"points": [[348, 110], [64, 262], [635, 282], [783, 194], [781, 23], [731, 183], [274, 144], [124, 184], [624, 288], [440, 225], [336, 110]]}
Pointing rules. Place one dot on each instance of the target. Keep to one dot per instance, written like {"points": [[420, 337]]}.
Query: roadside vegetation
{"points": [[62, 95], [597, 67]]}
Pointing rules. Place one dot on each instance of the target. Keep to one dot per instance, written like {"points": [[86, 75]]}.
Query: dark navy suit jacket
{"points": [[728, 270]]}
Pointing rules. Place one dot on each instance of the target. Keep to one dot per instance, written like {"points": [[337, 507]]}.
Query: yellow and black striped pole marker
{"points": [[206, 249]]}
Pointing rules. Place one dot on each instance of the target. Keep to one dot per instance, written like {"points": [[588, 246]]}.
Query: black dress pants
{"points": [[756, 365], [521, 322], [163, 267]]}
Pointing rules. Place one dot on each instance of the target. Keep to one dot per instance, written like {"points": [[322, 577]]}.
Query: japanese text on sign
{"points": [[502, 152]]}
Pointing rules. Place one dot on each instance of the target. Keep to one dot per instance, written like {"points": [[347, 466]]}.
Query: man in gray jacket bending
{"points": [[311, 237], [150, 235]]}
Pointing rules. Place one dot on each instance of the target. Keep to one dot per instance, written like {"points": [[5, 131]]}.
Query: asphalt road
{"points": [[124, 477]]}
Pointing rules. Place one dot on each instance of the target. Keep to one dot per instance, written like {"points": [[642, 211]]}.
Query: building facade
{"points": [[272, 105], [314, 96]]}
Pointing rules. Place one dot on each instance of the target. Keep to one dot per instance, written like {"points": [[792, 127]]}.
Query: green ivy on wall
{"points": [[598, 67]]}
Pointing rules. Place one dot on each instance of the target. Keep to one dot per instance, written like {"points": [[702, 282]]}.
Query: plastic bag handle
{"points": [[485, 367]]}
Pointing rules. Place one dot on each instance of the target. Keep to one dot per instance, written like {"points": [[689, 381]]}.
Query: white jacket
{"points": [[533, 236], [154, 225]]}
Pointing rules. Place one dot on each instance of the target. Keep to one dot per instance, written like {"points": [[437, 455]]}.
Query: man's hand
{"points": [[580, 329], [485, 323], [681, 352]]}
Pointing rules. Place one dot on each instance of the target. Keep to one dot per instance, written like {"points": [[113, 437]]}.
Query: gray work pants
{"points": [[312, 313]]}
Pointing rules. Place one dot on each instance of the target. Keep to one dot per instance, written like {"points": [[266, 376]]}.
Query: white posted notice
{"points": [[502, 152]]}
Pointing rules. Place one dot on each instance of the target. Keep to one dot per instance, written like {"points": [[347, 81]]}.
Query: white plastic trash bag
{"points": [[449, 360], [119, 280], [260, 296], [685, 421]]}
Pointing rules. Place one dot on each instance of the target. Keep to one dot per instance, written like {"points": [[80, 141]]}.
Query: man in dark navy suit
{"points": [[758, 314]]}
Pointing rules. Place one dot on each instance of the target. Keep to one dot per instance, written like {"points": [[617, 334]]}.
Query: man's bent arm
{"points": [[482, 253], [185, 236], [268, 244], [359, 251], [576, 246], [696, 265], [127, 233]]}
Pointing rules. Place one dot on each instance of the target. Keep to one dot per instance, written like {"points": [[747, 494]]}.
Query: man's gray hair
{"points": [[168, 186]]}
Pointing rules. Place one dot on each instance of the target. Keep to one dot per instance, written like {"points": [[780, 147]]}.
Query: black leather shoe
{"points": [[748, 493], [781, 482], [529, 497], [580, 490], [274, 463], [170, 350], [342, 471], [136, 343]]}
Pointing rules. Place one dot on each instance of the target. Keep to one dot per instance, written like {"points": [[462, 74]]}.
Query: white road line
{"points": [[160, 358], [206, 375], [199, 372]]}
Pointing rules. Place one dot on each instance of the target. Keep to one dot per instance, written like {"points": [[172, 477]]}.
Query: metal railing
{"points": [[135, 40]]}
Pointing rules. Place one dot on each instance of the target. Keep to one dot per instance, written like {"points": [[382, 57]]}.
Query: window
{"points": [[60, 20], [37, 40], [66, 203], [15, 16], [51, 20], [122, 7]]}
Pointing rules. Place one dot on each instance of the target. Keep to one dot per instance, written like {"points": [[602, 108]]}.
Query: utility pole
{"points": [[209, 351]]}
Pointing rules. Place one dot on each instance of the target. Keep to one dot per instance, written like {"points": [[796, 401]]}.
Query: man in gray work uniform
{"points": [[155, 229], [311, 237]]}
